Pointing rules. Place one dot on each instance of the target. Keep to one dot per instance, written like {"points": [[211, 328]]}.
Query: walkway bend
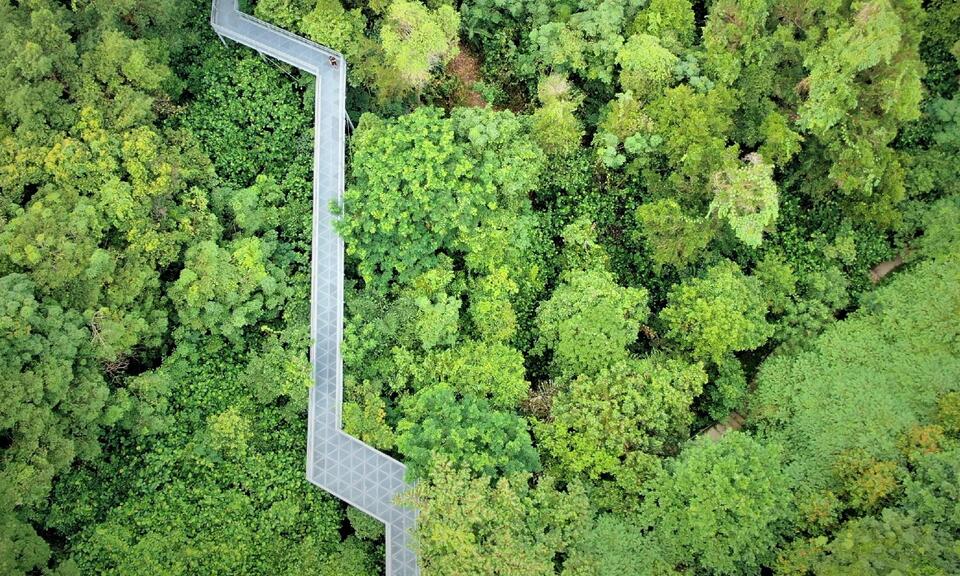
{"points": [[338, 463]]}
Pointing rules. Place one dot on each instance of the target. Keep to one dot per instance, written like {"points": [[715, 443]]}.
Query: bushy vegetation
{"points": [[577, 233]]}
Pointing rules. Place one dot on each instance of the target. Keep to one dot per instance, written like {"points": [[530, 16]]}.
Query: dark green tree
{"points": [[465, 430]]}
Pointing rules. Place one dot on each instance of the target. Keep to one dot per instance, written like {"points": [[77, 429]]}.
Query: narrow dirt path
{"points": [[878, 272], [734, 421], [466, 67]]}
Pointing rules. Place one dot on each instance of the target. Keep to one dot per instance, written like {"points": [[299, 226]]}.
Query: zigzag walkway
{"points": [[338, 463]]}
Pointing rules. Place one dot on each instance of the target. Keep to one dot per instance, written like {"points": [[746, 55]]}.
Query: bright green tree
{"points": [[491, 370], [423, 183], [734, 37], [616, 546], [694, 129], [464, 429], [646, 67], [866, 381], [56, 405], [722, 312], [722, 506], [417, 40], [932, 492], [330, 24], [872, 38], [224, 290], [584, 43], [589, 321], [867, 61], [671, 21], [674, 238], [470, 526], [622, 119], [888, 544], [38, 56], [554, 124], [283, 13]]}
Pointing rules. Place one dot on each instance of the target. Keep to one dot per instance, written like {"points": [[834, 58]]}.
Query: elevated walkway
{"points": [[336, 462]]}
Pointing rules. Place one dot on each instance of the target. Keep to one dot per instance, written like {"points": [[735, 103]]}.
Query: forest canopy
{"points": [[634, 287]]}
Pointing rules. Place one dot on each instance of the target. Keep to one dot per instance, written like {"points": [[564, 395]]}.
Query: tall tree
{"points": [[865, 382], [416, 40], [616, 546], [722, 312], [646, 67], [746, 197], [465, 430], [617, 423], [423, 183], [589, 321], [722, 505], [507, 528]]}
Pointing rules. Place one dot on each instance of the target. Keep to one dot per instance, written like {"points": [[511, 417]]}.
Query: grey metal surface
{"points": [[338, 463]]}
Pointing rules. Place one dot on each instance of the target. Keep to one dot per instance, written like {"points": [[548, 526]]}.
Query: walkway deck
{"points": [[340, 464]]}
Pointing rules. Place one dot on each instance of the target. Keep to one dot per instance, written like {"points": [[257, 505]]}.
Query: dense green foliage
{"points": [[722, 312], [577, 233], [454, 182], [895, 359], [722, 505], [234, 464], [614, 424], [154, 272], [468, 526]]}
